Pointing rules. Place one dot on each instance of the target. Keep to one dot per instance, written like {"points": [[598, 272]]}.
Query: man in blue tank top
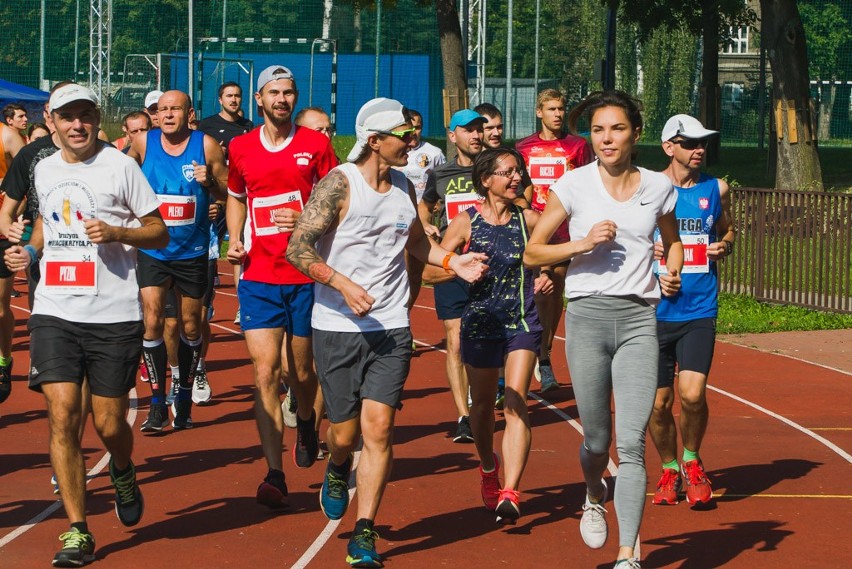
{"points": [[187, 170], [686, 322]]}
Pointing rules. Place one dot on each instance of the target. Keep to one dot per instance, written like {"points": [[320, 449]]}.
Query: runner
{"points": [[612, 208], [151, 100], [15, 116], [550, 153], [97, 207], [686, 322], [450, 186], [185, 168], [316, 119], [492, 130], [500, 322], [229, 122], [365, 210], [133, 124], [272, 173]]}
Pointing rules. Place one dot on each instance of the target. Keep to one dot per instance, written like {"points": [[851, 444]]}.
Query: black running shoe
{"points": [[129, 504], [5, 381], [181, 410], [272, 492], [78, 549], [307, 444], [463, 432], [158, 419]]}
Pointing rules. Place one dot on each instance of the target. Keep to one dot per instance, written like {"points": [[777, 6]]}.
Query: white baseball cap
{"points": [[273, 73], [152, 98], [69, 94], [685, 126], [376, 115]]}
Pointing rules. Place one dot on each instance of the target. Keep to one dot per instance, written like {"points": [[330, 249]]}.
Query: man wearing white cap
{"points": [[350, 240], [96, 208], [272, 172], [450, 187], [151, 100], [686, 322]]}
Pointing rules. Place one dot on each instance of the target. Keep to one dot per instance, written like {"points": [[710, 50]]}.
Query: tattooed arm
{"points": [[327, 205]]}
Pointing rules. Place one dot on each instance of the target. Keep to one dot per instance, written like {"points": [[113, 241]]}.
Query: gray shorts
{"points": [[361, 365]]}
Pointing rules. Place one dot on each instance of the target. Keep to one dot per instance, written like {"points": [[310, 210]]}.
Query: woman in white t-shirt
{"points": [[612, 208]]}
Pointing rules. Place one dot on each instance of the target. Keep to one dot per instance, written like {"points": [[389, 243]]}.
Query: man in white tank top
{"points": [[350, 239]]}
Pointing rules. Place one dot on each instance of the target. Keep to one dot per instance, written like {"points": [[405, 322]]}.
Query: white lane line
{"points": [[798, 359], [95, 470]]}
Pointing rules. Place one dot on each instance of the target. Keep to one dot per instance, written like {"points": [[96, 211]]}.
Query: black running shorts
{"points": [[190, 276], [689, 345]]}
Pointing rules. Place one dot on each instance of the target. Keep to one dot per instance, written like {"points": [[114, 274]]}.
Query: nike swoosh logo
{"points": [[644, 203]]}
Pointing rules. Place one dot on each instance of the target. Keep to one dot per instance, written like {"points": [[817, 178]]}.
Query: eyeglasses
{"points": [[404, 135], [329, 130], [510, 172], [691, 143]]}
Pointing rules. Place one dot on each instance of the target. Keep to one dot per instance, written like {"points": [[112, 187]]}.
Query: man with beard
{"points": [[229, 122]]}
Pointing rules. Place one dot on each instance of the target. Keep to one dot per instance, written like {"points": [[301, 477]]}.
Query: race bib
{"points": [[457, 203], [263, 211], [177, 210], [695, 258], [71, 271], [545, 170]]}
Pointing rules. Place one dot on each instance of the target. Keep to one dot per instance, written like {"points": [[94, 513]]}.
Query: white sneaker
{"points": [[632, 563], [173, 390], [201, 392], [237, 317], [288, 409], [593, 528]]}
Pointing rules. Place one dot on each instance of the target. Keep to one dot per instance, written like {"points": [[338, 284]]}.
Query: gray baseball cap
{"points": [[273, 73]]}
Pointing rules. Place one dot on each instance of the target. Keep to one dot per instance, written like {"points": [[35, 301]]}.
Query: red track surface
{"points": [[783, 497]]}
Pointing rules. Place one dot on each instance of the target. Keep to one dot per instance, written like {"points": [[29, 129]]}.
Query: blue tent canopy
{"points": [[12, 92]]}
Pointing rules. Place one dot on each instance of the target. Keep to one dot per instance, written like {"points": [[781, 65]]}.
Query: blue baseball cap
{"points": [[465, 117]]}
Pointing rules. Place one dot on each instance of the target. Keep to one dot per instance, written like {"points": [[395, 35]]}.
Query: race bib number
{"points": [[71, 271], [457, 203], [263, 211], [695, 258], [545, 170], [177, 210]]}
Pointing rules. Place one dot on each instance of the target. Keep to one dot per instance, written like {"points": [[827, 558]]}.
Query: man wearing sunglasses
{"points": [[449, 189], [686, 322]]}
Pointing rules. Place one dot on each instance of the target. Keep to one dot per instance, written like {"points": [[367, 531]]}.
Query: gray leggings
{"points": [[612, 350]]}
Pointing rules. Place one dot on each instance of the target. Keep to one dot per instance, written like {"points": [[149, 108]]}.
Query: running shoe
{"points": [[201, 392], [508, 511], [698, 491], [78, 549], [668, 488], [361, 551], [129, 504], [334, 495], [548, 380], [288, 409], [181, 411], [307, 443], [490, 485], [54, 483], [272, 492], [593, 528], [237, 317], [5, 381], [632, 563], [173, 391], [501, 393], [158, 419], [463, 432], [143, 372]]}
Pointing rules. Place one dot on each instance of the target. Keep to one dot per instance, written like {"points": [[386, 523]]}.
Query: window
{"points": [[738, 44]]}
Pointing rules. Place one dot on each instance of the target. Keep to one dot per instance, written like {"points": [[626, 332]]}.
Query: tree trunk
{"points": [[327, 6], [356, 25], [826, 104], [798, 166], [710, 93], [453, 62]]}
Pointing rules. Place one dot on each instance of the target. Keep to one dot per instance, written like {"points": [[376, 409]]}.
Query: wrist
{"points": [[32, 253], [446, 262], [729, 246]]}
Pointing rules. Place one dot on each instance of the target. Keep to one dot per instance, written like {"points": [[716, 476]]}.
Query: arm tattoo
{"points": [[319, 215]]}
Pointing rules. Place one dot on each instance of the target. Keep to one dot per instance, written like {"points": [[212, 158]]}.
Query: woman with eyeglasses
{"points": [[500, 323], [612, 208]]}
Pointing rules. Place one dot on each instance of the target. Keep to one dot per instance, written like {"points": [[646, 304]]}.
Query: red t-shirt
{"points": [[272, 178], [548, 160]]}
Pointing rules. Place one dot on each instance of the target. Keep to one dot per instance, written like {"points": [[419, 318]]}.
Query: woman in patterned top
{"points": [[500, 326]]}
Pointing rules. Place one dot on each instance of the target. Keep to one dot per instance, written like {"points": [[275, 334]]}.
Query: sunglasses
{"points": [[691, 143], [404, 135]]}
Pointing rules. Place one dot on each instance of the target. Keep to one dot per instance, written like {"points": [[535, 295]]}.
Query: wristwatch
{"points": [[729, 247]]}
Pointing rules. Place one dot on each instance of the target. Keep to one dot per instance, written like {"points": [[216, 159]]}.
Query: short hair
{"points": [[301, 114], [485, 163], [227, 84], [37, 126], [549, 95], [610, 98], [10, 109], [136, 115], [412, 113], [61, 84], [488, 110]]}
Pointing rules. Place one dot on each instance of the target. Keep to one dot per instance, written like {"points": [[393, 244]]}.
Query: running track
{"points": [[777, 451]]}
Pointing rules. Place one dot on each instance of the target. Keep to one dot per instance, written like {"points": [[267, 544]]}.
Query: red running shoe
{"points": [[668, 488], [508, 510], [143, 371], [698, 489], [490, 485]]}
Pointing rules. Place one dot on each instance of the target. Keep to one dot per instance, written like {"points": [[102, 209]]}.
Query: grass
{"points": [[739, 314]]}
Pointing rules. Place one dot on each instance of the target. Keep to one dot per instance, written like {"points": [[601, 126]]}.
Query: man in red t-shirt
{"points": [[272, 172], [550, 153]]}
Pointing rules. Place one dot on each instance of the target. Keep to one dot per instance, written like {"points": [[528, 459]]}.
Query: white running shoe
{"points": [[288, 409], [593, 528], [201, 392], [173, 391]]}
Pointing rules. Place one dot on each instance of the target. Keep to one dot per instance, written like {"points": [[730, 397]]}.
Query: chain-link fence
{"points": [[392, 48]]}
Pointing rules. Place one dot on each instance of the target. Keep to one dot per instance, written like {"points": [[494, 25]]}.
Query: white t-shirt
{"points": [[421, 161], [623, 267], [82, 281], [367, 246]]}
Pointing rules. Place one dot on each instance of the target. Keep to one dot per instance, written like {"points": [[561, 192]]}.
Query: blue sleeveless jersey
{"points": [[174, 183], [698, 210]]}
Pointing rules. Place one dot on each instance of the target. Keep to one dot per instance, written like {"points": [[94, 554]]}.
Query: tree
{"points": [[797, 164], [452, 60]]}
